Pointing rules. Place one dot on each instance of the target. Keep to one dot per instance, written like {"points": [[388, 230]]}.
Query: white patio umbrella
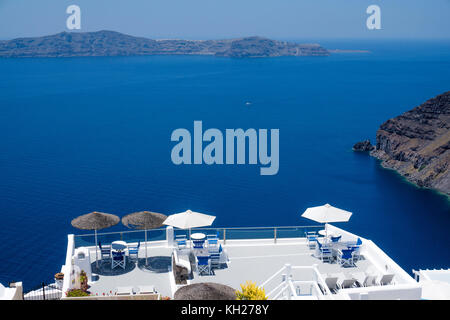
{"points": [[326, 214], [188, 220]]}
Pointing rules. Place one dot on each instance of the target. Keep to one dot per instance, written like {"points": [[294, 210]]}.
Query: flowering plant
{"points": [[250, 291]]}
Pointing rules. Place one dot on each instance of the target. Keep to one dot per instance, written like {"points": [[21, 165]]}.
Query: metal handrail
{"points": [[201, 228]]}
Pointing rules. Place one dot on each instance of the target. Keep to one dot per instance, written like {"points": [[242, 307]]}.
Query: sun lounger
{"points": [[146, 290], [386, 279], [331, 283], [124, 291]]}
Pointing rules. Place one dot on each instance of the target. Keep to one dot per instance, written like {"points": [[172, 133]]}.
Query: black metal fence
{"points": [[43, 292]]}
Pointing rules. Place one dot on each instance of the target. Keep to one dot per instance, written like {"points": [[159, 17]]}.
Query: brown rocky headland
{"points": [[417, 144]]}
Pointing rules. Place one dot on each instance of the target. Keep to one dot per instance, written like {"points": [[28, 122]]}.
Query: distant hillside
{"points": [[417, 144], [110, 43]]}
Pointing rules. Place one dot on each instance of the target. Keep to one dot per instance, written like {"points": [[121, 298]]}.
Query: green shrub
{"points": [[76, 293]]}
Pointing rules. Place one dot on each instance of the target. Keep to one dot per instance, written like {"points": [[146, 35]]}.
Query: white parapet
{"points": [[14, 292]]}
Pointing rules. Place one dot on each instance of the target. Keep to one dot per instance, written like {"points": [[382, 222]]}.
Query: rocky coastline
{"points": [[416, 144]]}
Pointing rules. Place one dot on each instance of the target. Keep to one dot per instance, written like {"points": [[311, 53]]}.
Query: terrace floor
{"points": [[254, 260]]}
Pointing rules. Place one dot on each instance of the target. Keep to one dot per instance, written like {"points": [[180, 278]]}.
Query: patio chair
{"points": [[323, 252], [331, 283], [345, 258], [214, 254], [134, 251], [311, 237], [105, 251], [198, 244], [369, 281], [335, 239], [347, 283], [203, 265], [213, 240], [181, 241], [356, 252], [386, 279], [213, 236], [118, 259]]}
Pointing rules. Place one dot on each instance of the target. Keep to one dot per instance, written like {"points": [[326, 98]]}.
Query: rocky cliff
{"points": [[417, 144], [110, 43]]}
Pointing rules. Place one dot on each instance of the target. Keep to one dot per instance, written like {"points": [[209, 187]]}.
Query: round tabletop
{"points": [[198, 236], [330, 234], [118, 245]]}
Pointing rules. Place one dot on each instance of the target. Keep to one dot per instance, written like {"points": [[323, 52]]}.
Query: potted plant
{"points": [[83, 281], [59, 279]]}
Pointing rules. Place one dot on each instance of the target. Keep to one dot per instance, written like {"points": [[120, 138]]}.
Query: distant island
{"points": [[110, 43], [417, 144]]}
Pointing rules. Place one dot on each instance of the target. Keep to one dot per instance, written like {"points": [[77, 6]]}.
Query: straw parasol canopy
{"points": [[205, 291], [144, 220], [95, 221]]}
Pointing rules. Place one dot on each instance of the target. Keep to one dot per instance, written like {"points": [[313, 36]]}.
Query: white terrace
{"points": [[277, 259]]}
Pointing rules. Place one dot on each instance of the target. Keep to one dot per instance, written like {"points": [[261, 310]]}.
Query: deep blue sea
{"points": [[85, 134]]}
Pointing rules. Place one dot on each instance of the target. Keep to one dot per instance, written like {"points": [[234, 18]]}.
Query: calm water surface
{"points": [[85, 134]]}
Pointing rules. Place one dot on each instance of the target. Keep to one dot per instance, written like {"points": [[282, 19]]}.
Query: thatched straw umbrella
{"points": [[144, 220], [95, 221], [205, 291]]}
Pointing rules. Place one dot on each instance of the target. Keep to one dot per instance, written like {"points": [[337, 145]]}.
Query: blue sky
{"points": [[208, 19]]}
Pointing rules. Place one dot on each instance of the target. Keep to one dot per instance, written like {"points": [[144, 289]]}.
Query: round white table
{"points": [[330, 234], [198, 236], [119, 245]]}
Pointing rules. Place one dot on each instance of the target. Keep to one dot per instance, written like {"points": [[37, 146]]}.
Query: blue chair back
{"points": [[202, 260], [213, 236], [347, 253], [319, 244], [118, 255], [198, 244], [336, 239]]}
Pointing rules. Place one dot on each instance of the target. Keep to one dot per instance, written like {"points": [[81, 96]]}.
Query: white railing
{"points": [[67, 269], [290, 289]]}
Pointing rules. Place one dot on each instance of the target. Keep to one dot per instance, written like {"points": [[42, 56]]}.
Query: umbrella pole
{"points": [[145, 246], [190, 240], [96, 255]]}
